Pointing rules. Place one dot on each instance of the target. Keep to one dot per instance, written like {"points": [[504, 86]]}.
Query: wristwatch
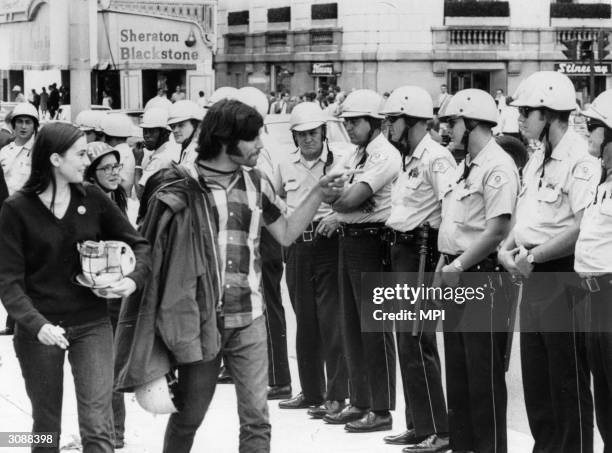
{"points": [[530, 258], [457, 264]]}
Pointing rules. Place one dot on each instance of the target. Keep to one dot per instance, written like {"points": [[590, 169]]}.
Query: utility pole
{"points": [[80, 55]]}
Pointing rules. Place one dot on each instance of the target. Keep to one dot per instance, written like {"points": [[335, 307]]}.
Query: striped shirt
{"points": [[240, 209]]}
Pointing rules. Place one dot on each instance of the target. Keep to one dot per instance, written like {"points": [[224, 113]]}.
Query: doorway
{"points": [[460, 80], [106, 82], [153, 79]]}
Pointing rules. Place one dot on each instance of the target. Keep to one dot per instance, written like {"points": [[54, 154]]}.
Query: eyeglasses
{"points": [[593, 124], [110, 169], [525, 111], [392, 118]]}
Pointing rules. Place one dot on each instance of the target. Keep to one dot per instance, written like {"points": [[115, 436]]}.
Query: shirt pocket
{"points": [[606, 208], [464, 200], [549, 202], [291, 186]]}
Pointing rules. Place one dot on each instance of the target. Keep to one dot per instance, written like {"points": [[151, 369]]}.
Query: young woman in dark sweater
{"points": [[40, 227]]}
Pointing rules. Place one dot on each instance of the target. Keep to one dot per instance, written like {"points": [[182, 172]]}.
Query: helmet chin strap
{"points": [[470, 125]]}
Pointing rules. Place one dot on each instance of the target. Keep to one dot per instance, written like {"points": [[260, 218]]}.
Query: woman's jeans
{"points": [[91, 358]]}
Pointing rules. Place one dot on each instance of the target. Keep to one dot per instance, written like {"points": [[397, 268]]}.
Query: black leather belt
{"points": [[309, 233], [362, 229], [596, 284], [489, 263], [409, 237]]}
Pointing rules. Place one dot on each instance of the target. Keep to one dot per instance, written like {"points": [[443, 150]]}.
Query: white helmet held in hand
{"points": [[184, 110], [104, 263], [472, 104], [155, 117], [307, 116], [362, 103], [411, 101], [255, 98], [157, 396], [601, 109], [222, 93], [546, 89], [117, 125]]}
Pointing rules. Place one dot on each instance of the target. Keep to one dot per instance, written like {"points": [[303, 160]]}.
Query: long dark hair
{"points": [[54, 138]]}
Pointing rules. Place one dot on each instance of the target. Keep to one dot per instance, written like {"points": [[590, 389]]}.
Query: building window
{"points": [[238, 18], [324, 11], [580, 10], [279, 14], [276, 39], [236, 43], [472, 8], [321, 38]]}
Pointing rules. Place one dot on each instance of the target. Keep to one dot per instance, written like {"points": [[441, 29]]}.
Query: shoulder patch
{"points": [[378, 157], [584, 171], [440, 165], [497, 179]]}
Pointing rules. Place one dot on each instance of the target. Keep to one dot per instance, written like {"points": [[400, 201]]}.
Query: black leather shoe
{"points": [[406, 438], [346, 415], [370, 422], [279, 392], [7, 331], [297, 402], [328, 407], [225, 377], [431, 444]]}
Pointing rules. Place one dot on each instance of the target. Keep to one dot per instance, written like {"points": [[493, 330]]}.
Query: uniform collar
{"points": [[563, 149], [482, 156], [296, 155], [28, 145], [422, 146]]}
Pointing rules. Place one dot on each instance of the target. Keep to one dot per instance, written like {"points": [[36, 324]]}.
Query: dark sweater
{"points": [[3, 188], [39, 257]]}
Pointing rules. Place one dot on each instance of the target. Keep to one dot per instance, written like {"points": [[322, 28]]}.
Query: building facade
{"points": [[130, 48], [300, 46]]}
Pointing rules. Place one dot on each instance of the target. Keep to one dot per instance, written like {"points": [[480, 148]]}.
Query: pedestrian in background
{"points": [[44, 98], [51, 214]]}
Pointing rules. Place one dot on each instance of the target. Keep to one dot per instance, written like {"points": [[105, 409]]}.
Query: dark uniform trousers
{"points": [[475, 375], [370, 355], [272, 273], [599, 346], [556, 380], [418, 355], [312, 279]]}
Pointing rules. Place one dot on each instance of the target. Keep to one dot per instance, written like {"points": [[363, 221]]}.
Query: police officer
{"points": [[312, 269], [117, 128], [559, 181], [89, 122], [279, 376], [184, 118], [593, 252], [362, 210], [220, 94], [160, 151], [15, 157], [476, 217], [428, 171]]}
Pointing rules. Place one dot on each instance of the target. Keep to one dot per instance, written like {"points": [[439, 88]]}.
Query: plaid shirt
{"points": [[240, 209]]}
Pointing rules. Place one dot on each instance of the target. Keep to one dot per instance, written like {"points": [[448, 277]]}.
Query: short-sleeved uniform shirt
{"points": [[489, 190], [594, 246], [549, 200], [161, 158], [381, 166], [295, 176], [429, 173], [241, 209], [128, 160], [16, 162]]}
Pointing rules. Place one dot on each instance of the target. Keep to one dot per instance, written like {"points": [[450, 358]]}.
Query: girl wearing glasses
{"points": [[104, 171], [40, 227]]}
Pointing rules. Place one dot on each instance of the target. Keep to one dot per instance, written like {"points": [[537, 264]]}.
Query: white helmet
{"points": [[116, 125], [411, 101], [24, 109], [184, 110], [546, 89], [255, 98], [307, 116], [89, 120], [157, 396], [362, 103], [601, 109], [17, 88], [104, 263], [155, 117], [472, 104], [222, 93]]}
